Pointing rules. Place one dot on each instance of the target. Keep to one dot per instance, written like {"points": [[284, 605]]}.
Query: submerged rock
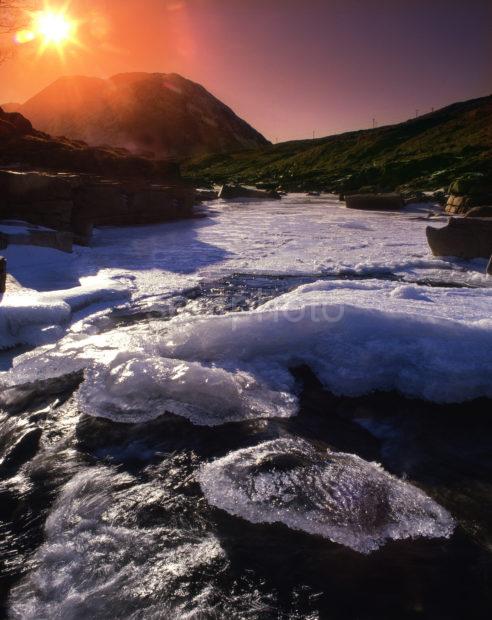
{"points": [[334, 495], [464, 238]]}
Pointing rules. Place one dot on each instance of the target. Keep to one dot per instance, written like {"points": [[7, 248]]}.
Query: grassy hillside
{"points": [[425, 153]]}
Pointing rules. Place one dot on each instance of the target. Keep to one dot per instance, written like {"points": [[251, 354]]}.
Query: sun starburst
{"points": [[52, 28]]}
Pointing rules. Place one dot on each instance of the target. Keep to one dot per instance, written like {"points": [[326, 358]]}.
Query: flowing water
{"points": [[281, 410]]}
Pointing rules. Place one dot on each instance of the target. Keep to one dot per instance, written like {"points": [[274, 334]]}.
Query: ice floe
{"points": [[138, 389], [334, 495]]}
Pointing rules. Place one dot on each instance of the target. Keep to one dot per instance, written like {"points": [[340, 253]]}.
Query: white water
{"points": [[96, 564]]}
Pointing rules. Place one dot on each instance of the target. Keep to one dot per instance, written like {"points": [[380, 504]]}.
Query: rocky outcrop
{"points": [[77, 203], [152, 114], [25, 148], [375, 202], [234, 192], [463, 238]]}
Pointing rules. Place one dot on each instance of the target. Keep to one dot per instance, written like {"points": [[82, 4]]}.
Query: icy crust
{"points": [[334, 495], [138, 389], [433, 344], [34, 319]]}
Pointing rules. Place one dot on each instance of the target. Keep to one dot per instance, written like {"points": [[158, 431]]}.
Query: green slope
{"points": [[426, 153]]}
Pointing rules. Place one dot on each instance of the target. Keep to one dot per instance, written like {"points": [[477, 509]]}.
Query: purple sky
{"points": [[287, 66]]}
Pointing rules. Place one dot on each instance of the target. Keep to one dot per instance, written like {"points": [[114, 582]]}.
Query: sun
{"points": [[54, 28], [51, 27]]}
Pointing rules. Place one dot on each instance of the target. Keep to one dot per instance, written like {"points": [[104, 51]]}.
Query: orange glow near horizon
{"points": [[51, 28]]}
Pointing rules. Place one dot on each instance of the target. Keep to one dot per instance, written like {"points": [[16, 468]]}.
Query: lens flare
{"points": [[24, 36]]}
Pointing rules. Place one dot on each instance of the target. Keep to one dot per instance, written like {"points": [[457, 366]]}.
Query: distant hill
{"points": [[157, 115], [427, 152]]}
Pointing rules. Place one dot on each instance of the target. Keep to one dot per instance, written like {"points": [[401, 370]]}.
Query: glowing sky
{"points": [[287, 66]]}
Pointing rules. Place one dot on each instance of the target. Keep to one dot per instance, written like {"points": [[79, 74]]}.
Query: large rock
{"points": [[28, 186], [463, 238], [115, 204], [3, 274], [234, 192], [375, 202]]}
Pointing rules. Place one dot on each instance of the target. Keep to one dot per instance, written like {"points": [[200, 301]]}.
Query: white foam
{"points": [[334, 495]]}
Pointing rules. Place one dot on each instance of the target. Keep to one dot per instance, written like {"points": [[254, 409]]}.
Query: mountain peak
{"points": [[159, 114]]}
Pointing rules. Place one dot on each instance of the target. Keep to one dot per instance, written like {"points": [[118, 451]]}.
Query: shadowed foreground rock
{"points": [[22, 145], [464, 238], [375, 202]]}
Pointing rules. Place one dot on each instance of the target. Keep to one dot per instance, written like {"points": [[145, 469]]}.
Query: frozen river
{"points": [[193, 413]]}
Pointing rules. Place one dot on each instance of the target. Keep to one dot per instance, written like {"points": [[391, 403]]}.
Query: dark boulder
{"points": [[234, 192], [463, 238], [3, 274], [479, 212], [375, 202]]}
